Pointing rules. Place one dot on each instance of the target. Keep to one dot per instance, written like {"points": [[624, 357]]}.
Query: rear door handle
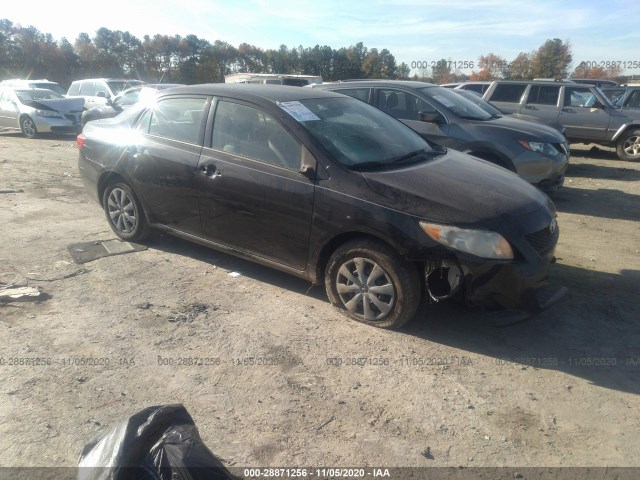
{"points": [[530, 107], [210, 170], [566, 109]]}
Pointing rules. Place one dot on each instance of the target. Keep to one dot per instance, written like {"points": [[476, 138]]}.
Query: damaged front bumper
{"points": [[519, 289]]}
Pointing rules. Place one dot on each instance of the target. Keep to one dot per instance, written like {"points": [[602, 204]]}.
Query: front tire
{"points": [[372, 284], [124, 212], [628, 147], [28, 127]]}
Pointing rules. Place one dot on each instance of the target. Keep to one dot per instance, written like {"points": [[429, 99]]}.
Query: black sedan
{"points": [[325, 187]]}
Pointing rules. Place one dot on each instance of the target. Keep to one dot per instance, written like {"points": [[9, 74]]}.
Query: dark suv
{"points": [[536, 152], [586, 113]]}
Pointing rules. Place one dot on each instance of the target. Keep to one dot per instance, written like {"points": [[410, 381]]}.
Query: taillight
{"points": [[80, 141]]}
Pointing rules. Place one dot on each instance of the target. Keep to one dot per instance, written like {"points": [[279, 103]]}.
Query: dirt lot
{"points": [[449, 389]]}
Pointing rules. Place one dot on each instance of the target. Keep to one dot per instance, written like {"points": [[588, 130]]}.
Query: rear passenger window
{"points": [[74, 89], [246, 131], [543, 95], [178, 119], [507, 92]]}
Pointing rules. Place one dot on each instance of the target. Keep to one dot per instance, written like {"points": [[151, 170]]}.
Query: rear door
{"points": [[507, 96], [542, 102], [253, 197], [580, 115], [166, 155]]}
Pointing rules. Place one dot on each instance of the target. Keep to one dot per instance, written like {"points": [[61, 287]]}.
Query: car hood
{"points": [[520, 129], [458, 189], [62, 105]]}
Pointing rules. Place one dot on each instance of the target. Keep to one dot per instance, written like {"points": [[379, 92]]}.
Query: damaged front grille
{"points": [[72, 117], [543, 240]]}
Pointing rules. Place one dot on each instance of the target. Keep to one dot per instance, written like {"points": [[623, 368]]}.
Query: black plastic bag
{"points": [[157, 443]]}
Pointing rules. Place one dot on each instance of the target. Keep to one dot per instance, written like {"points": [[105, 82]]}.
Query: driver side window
{"points": [[246, 131]]}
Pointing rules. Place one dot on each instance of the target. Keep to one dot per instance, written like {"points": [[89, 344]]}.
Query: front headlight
{"points": [[48, 113], [482, 243], [546, 148]]}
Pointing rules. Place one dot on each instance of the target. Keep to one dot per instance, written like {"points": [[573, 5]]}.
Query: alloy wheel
{"points": [[365, 289], [122, 211]]}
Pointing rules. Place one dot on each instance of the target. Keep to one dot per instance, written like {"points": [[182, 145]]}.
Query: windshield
{"points": [[360, 136], [26, 96], [118, 86], [50, 86], [479, 101], [455, 103]]}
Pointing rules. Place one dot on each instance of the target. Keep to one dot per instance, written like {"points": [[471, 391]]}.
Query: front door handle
{"points": [[530, 107], [566, 109]]}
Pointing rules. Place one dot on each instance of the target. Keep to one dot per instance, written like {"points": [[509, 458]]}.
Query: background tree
{"points": [[551, 60], [492, 67], [519, 68]]}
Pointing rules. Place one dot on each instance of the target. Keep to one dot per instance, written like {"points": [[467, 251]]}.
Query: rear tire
{"points": [[28, 127], [628, 147], [124, 212], [372, 284]]}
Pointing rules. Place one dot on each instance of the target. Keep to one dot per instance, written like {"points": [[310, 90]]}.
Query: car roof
{"points": [[248, 91], [108, 80], [542, 82], [386, 83]]}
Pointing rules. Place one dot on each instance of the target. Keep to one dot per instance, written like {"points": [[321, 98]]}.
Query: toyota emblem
{"points": [[553, 226]]}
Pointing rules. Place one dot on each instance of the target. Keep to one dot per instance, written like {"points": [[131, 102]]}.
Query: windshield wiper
{"points": [[409, 155]]}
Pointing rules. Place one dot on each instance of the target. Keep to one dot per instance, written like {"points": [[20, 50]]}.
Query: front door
{"points": [[406, 107], [253, 197], [581, 117]]}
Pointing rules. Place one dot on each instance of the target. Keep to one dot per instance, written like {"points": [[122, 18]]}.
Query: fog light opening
{"points": [[444, 281]]}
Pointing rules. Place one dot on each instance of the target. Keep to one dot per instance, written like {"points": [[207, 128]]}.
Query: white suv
{"points": [[96, 91]]}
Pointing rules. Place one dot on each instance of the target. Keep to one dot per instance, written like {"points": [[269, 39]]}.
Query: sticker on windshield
{"points": [[444, 101], [298, 111]]}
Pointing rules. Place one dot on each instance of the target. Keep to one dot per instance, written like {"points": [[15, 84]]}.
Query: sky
{"points": [[412, 30]]}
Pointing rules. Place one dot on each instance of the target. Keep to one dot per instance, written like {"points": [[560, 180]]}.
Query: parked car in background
{"points": [[586, 113], [613, 93], [273, 79], [96, 91], [476, 98], [628, 97], [536, 152], [479, 87], [327, 188], [124, 100], [41, 83], [596, 82], [37, 110]]}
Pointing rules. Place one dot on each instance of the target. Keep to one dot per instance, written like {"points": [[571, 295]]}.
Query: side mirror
{"points": [[430, 117], [102, 94], [308, 164]]}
